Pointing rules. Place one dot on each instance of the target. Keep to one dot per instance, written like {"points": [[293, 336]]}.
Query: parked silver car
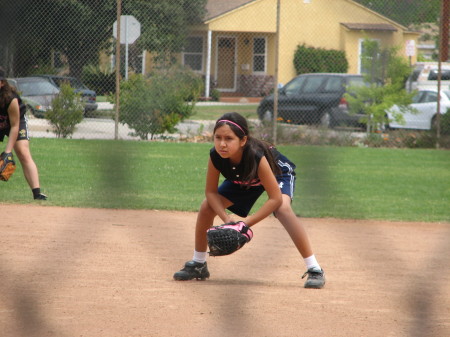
{"points": [[88, 96], [37, 93]]}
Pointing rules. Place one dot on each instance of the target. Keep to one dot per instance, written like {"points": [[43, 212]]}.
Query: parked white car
{"points": [[425, 76], [423, 111]]}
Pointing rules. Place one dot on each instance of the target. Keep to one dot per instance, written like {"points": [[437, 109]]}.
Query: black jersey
{"points": [[235, 172], [4, 117], [231, 171]]}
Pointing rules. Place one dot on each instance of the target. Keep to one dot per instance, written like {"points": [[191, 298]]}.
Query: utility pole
{"points": [[275, 92], [116, 126], [443, 57]]}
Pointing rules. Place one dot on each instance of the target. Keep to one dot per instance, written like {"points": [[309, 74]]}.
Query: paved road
{"points": [[96, 128]]}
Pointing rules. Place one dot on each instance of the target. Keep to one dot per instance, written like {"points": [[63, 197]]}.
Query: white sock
{"points": [[200, 256], [311, 262]]}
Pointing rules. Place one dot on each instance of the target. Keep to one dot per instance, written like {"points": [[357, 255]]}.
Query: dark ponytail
{"points": [[239, 125], [6, 93]]}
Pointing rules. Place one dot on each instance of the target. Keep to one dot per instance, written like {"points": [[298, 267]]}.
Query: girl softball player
{"points": [[250, 167], [13, 123]]}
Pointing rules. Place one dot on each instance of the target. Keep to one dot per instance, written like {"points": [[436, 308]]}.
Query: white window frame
{"points": [[360, 43], [201, 54], [264, 55]]}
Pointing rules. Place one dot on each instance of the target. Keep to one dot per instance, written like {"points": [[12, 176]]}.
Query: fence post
{"points": [[275, 92], [116, 121]]}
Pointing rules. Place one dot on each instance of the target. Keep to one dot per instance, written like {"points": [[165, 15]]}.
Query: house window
{"points": [[259, 55], [363, 54], [193, 53]]}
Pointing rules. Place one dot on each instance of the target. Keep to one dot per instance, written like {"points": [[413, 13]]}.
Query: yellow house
{"points": [[236, 45]]}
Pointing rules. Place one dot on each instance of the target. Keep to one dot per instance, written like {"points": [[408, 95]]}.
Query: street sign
{"points": [[130, 29], [410, 48]]}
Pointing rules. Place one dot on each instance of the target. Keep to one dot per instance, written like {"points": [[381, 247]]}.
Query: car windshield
{"points": [[36, 88]]}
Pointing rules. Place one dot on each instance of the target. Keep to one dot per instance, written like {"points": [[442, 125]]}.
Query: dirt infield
{"points": [[89, 272]]}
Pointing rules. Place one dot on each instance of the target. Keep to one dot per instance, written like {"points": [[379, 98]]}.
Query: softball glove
{"points": [[7, 166], [228, 238]]}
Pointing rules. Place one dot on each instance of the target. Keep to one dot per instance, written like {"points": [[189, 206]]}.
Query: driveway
{"points": [[104, 128]]}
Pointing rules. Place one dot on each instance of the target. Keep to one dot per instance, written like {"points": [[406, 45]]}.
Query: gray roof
{"points": [[218, 7], [370, 26]]}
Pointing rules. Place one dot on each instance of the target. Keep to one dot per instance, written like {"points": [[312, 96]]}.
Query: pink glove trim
{"points": [[239, 226]]}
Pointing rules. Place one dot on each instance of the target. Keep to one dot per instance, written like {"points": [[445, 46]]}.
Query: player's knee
{"points": [[205, 209], [284, 209], [23, 154]]}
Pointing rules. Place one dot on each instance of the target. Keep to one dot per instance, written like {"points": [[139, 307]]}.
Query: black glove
{"points": [[228, 238]]}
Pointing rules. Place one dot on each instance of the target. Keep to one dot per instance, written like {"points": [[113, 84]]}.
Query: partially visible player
{"points": [[250, 167], [13, 124]]}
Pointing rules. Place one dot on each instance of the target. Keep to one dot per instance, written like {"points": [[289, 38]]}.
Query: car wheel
{"points": [[325, 120], [267, 115]]}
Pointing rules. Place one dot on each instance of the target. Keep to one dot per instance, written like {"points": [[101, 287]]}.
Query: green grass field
{"points": [[342, 182]]}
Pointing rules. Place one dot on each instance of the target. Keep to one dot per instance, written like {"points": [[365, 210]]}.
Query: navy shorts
{"points": [[244, 198], [23, 130]]}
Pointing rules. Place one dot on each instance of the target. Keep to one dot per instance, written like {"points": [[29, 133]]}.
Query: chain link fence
{"points": [[145, 67]]}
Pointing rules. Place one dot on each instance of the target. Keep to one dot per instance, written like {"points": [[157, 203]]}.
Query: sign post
{"points": [[130, 30], [410, 52]]}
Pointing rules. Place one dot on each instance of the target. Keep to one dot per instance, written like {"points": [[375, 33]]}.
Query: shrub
{"points": [[215, 95], [445, 123], [319, 60], [66, 112], [158, 103]]}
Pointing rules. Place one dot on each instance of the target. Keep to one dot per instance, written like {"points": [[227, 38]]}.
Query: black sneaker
{"points": [[316, 278], [192, 270], [40, 196]]}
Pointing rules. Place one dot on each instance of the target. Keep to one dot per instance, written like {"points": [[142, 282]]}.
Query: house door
{"points": [[226, 71]]}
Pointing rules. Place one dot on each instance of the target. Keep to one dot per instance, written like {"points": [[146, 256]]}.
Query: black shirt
{"points": [[231, 171], [4, 117]]}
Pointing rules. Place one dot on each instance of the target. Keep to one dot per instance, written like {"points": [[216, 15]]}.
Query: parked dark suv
{"points": [[314, 99], [89, 96]]}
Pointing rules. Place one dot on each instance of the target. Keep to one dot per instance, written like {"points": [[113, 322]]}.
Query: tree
{"points": [[76, 29], [80, 29], [164, 24], [405, 12], [386, 72]]}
